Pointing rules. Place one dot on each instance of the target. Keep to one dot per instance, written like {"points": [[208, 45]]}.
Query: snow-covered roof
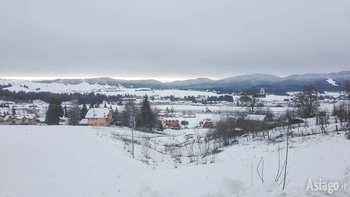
{"points": [[97, 113], [84, 121], [238, 129], [30, 116], [41, 119], [7, 117], [255, 117], [20, 117]]}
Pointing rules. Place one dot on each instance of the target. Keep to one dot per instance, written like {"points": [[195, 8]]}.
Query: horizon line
{"points": [[163, 79], [160, 79]]}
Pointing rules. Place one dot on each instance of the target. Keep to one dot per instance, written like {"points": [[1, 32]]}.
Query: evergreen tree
{"points": [[115, 115], [54, 112], [65, 111], [13, 111], [91, 106], [146, 114], [126, 115], [105, 106], [83, 112]]}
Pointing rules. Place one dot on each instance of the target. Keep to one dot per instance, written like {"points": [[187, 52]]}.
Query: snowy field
{"points": [[82, 161]]}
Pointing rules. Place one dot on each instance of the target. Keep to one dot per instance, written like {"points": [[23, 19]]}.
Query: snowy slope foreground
{"points": [[75, 161]]}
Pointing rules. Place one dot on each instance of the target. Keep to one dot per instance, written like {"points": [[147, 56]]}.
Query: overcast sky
{"points": [[173, 39]]}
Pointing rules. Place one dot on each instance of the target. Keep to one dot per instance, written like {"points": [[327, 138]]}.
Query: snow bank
{"points": [[74, 161]]}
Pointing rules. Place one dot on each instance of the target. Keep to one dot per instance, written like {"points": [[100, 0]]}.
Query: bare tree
{"points": [[307, 102], [347, 90], [74, 114], [226, 131], [342, 113], [251, 102], [323, 120]]}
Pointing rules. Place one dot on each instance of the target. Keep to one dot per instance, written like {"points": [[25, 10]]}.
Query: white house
{"points": [[84, 122]]}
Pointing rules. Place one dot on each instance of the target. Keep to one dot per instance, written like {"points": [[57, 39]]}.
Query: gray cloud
{"points": [[157, 38]]}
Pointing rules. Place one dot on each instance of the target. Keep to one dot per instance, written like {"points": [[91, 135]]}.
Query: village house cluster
{"points": [[12, 114], [29, 119]]}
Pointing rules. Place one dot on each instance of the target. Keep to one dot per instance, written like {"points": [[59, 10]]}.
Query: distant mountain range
{"points": [[271, 83]]}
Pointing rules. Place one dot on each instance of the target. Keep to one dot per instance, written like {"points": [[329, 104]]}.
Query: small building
{"points": [[189, 116], [208, 124], [162, 114], [261, 94], [173, 124], [20, 120], [99, 117], [8, 118], [171, 115], [125, 101], [256, 117], [207, 110], [41, 120], [32, 119], [63, 121], [84, 122]]}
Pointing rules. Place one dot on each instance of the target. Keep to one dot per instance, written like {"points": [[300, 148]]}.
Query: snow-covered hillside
{"points": [[273, 84], [80, 161], [27, 86]]}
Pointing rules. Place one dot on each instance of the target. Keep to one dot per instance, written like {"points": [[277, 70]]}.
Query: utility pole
{"points": [[132, 133], [316, 108], [348, 92]]}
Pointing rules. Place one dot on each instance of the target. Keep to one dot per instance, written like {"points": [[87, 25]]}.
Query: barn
{"points": [[208, 124], [174, 124]]}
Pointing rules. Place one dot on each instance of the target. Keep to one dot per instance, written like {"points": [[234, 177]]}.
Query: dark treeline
{"points": [[90, 98], [227, 98], [5, 86]]}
